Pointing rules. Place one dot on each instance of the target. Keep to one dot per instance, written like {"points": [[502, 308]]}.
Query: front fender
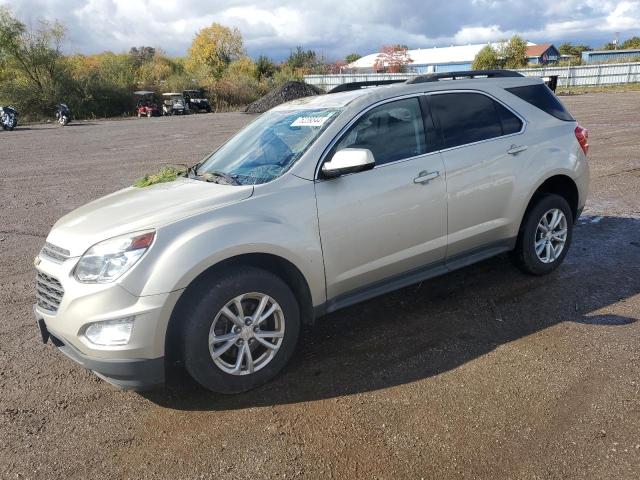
{"points": [[185, 249]]}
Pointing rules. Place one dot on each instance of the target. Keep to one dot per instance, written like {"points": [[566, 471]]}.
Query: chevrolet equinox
{"points": [[318, 204]]}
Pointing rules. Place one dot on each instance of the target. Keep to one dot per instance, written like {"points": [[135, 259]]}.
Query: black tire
{"points": [[524, 255], [202, 306]]}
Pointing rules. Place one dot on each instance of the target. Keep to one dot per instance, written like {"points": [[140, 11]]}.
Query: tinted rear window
{"points": [[465, 117], [540, 96]]}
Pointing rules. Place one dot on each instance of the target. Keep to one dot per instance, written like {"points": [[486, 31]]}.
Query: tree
{"points": [[213, 49], [352, 57], [243, 67], [265, 67], [513, 53], [568, 48], [486, 59], [141, 55], [631, 43], [33, 62], [392, 59], [336, 67], [300, 58]]}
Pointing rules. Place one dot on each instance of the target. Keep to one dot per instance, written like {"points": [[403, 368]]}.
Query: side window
{"points": [[465, 117], [510, 123], [392, 131]]}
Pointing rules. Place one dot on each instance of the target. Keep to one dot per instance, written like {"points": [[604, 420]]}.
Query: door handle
{"points": [[516, 149], [426, 177]]}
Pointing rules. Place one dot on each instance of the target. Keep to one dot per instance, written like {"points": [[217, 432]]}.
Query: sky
{"points": [[334, 28]]}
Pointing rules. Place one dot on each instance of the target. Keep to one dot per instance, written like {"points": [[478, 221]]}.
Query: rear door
{"points": [[483, 146], [378, 224]]}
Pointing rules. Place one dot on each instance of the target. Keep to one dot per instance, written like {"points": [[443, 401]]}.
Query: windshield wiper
{"points": [[190, 169], [214, 176]]}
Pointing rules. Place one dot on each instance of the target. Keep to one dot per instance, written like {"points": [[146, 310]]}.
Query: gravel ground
{"points": [[484, 373]]}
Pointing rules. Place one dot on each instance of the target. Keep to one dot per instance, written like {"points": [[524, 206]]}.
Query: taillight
{"points": [[582, 135]]}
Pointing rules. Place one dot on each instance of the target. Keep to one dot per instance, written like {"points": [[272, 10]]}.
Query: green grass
{"points": [[166, 174], [626, 87]]}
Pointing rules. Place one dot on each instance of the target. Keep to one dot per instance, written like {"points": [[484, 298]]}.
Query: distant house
{"points": [[542, 54], [604, 56]]}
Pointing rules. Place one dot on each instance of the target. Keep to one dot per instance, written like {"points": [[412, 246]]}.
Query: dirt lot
{"points": [[485, 373]]}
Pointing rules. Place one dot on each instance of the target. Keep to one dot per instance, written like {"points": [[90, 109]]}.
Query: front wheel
{"points": [[545, 236], [241, 330]]}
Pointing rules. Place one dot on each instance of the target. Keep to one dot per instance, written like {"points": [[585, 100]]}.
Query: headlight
{"points": [[106, 261], [110, 333]]}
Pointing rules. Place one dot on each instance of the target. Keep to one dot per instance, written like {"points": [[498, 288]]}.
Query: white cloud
{"points": [[332, 27]]}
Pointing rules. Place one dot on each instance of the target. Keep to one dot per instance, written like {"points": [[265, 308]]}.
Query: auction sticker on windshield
{"points": [[311, 121]]}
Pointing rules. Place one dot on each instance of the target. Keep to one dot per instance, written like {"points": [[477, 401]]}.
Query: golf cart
{"points": [[146, 106], [174, 104], [196, 101]]}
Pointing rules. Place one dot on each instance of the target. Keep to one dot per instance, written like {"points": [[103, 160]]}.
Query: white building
{"points": [[429, 60]]}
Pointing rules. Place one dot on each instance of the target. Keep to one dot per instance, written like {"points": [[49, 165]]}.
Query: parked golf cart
{"points": [[174, 104], [146, 106], [196, 101]]}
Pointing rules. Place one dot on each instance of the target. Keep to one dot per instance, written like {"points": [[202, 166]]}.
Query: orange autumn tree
{"points": [[392, 59]]}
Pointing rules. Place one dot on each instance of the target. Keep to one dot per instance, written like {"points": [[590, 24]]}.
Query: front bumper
{"points": [[138, 364], [134, 374]]}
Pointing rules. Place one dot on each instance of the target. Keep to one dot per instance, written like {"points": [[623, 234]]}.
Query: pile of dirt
{"points": [[285, 93]]}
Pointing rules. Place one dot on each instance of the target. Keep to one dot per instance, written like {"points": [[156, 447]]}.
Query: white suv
{"points": [[318, 204]]}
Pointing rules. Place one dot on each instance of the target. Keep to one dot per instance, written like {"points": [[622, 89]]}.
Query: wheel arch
{"points": [[558, 184], [275, 264]]}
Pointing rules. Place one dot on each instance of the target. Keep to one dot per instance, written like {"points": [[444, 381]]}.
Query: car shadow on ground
{"points": [[431, 328]]}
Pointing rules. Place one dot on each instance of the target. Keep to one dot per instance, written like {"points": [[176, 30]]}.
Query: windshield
{"points": [[268, 147]]}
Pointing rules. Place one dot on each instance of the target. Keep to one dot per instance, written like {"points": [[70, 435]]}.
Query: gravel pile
{"points": [[287, 92]]}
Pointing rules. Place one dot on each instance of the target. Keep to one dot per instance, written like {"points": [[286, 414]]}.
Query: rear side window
{"points": [[510, 123], [465, 117], [540, 96]]}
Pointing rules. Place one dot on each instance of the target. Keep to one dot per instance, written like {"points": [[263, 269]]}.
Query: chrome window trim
{"points": [[317, 177]]}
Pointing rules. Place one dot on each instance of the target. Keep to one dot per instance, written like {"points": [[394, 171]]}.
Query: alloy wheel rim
{"points": [[551, 235], [246, 334]]}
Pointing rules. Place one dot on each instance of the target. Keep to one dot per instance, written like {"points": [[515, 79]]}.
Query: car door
{"points": [[377, 224], [482, 146]]}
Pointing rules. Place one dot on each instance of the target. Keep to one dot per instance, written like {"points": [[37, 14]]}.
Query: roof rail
{"points": [[434, 77], [347, 87]]}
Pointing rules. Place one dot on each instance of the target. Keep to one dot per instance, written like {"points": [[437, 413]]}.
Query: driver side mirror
{"points": [[348, 160]]}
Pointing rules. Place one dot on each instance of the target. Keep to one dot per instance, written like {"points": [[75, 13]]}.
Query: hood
{"points": [[134, 209]]}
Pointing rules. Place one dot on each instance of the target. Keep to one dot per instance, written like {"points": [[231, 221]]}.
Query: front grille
{"points": [[49, 292], [55, 253]]}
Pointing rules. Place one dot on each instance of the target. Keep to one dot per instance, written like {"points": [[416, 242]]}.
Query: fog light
{"points": [[110, 333]]}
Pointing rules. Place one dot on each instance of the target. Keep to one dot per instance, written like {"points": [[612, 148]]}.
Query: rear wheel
{"points": [[545, 236], [241, 330]]}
